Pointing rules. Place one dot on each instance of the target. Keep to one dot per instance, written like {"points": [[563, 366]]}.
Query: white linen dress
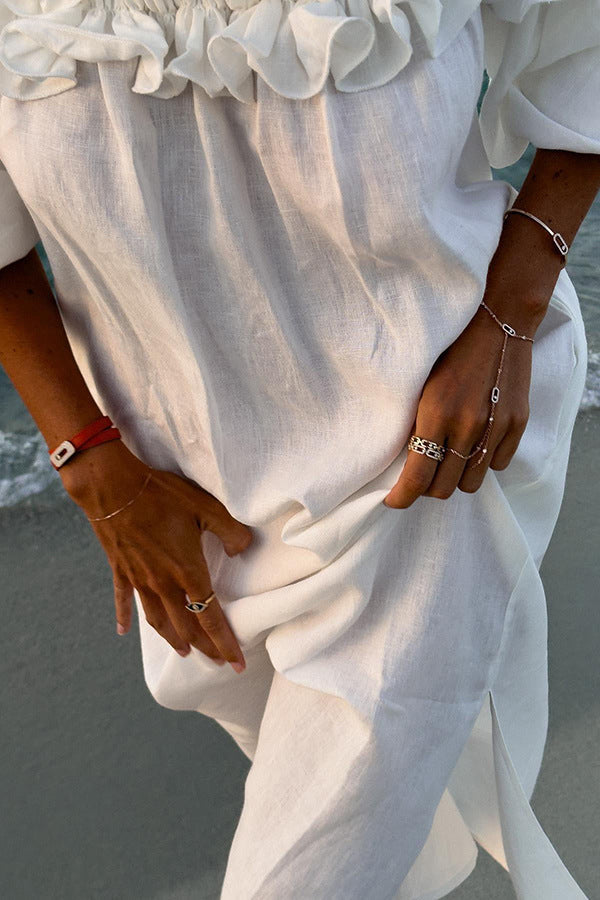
{"points": [[266, 221]]}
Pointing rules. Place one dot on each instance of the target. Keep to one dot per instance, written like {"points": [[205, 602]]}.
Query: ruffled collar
{"points": [[292, 44]]}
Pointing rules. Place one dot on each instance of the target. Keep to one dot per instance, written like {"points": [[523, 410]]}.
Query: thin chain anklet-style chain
{"points": [[495, 394]]}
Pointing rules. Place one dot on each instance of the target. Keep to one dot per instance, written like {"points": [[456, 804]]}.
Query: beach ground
{"points": [[108, 796]]}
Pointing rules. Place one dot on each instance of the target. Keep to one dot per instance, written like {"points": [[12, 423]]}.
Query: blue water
{"points": [[25, 470]]}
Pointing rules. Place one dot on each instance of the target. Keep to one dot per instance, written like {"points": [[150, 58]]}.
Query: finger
{"points": [[188, 626], [212, 619], [123, 594], [449, 472], [419, 469], [194, 579], [507, 447], [476, 467], [210, 513], [215, 624], [158, 617]]}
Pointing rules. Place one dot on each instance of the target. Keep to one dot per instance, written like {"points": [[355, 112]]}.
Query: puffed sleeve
{"points": [[18, 233], [543, 62]]}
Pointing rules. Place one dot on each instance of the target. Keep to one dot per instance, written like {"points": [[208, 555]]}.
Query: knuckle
{"points": [[238, 542], [121, 582], [159, 585], [473, 425], [187, 573], [501, 421]]}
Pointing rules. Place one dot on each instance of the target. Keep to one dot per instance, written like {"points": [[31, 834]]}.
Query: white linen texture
{"points": [[265, 224], [18, 233]]}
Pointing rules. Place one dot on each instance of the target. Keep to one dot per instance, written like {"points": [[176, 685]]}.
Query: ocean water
{"points": [[25, 471]]}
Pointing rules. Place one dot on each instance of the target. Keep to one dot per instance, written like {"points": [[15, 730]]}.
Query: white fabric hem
{"points": [[453, 882]]}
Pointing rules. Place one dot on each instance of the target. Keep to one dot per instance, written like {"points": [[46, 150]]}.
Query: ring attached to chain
{"points": [[438, 451], [427, 448]]}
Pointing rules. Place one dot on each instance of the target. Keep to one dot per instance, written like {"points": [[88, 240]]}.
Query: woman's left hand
{"points": [[455, 406]]}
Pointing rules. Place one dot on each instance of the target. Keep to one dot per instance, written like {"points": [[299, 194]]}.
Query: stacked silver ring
{"points": [[427, 448], [200, 605]]}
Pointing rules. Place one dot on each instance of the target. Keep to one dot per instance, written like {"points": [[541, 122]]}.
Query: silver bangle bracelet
{"points": [[559, 242]]}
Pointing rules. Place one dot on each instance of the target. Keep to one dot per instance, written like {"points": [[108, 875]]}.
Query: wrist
{"points": [[103, 477], [522, 276], [99, 431], [522, 312]]}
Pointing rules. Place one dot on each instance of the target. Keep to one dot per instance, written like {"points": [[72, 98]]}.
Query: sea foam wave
{"points": [[591, 392], [25, 469]]}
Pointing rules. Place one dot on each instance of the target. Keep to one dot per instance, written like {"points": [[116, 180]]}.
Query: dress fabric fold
{"points": [[18, 234], [265, 224]]}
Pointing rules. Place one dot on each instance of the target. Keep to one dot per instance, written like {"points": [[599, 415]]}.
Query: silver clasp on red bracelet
{"points": [[62, 453]]}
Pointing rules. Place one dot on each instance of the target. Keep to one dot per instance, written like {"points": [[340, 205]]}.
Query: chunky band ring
{"points": [[199, 605], [428, 448]]}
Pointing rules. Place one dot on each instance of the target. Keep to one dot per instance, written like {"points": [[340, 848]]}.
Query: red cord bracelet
{"points": [[97, 432]]}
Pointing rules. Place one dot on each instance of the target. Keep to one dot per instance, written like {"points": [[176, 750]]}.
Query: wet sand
{"points": [[105, 794]]}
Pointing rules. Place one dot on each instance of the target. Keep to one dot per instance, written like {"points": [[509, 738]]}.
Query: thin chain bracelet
{"points": [[495, 394], [121, 508]]}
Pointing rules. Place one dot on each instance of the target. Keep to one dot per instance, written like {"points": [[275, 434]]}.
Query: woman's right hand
{"points": [[154, 545]]}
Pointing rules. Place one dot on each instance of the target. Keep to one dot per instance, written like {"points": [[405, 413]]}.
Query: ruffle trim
{"points": [[293, 45]]}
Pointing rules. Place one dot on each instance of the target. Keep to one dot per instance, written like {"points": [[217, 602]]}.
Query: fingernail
{"points": [[237, 666], [120, 628], [184, 652]]}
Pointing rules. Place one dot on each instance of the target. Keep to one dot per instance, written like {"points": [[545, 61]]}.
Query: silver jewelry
{"points": [[427, 448], [121, 508], [200, 605], [559, 241], [507, 328], [495, 394]]}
